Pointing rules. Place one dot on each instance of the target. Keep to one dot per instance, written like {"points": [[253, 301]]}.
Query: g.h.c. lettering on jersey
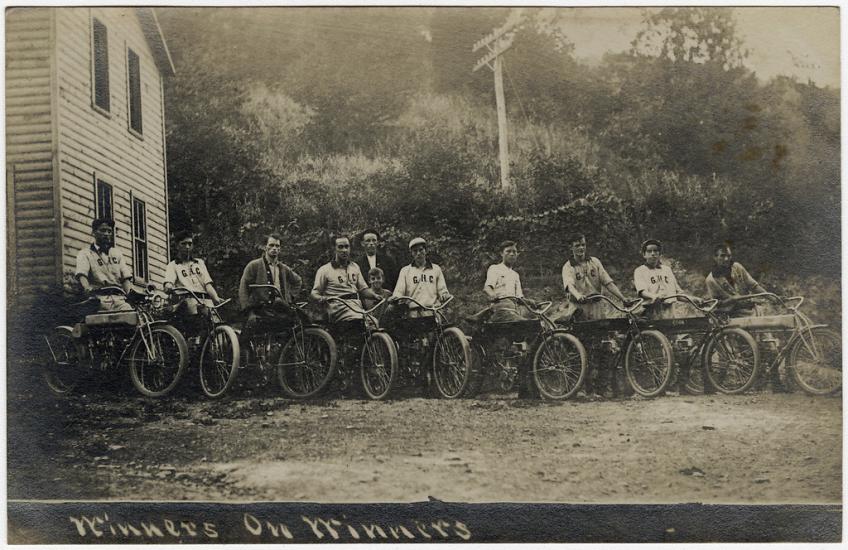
{"points": [[351, 278], [193, 269], [111, 260], [592, 274]]}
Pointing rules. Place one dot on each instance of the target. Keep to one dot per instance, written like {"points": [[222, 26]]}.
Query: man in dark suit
{"points": [[268, 270], [372, 257]]}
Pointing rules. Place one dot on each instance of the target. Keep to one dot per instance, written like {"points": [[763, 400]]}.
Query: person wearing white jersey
{"points": [[102, 264], [421, 280], [341, 277], [654, 280], [584, 275], [189, 272], [502, 281]]}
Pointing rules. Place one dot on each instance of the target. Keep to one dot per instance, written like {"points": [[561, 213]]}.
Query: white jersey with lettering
{"points": [[587, 277], [192, 275], [424, 284], [659, 281], [504, 281], [102, 268], [334, 280]]}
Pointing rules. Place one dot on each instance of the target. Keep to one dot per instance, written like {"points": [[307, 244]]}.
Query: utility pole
{"points": [[498, 42]]}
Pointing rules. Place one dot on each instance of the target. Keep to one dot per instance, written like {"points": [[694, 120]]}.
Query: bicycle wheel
{"points": [[559, 366], [477, 374], [694, 378], [220, 358], [732, 360], [379, 365], [815, 361], [307, 362], [648, 363], [157, 360], [451, 363], [62, 365]]}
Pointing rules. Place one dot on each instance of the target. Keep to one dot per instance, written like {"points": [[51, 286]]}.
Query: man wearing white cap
{"points": [[421, 280]]}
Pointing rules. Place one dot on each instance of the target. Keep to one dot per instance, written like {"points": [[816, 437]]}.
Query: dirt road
{"points": [[762, 448]]}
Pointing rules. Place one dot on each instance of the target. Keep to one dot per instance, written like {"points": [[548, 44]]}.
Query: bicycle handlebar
{"points": [[793, 298], [775, 298], [354, 309], [630, 310], [200, 296], [422, 306], [706, 306]]}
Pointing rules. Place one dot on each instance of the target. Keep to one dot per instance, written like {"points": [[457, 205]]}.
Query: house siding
{"points": [[32, 213], [92, 145]]}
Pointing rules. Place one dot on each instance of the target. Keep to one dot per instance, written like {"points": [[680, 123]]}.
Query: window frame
{"points": [[106, 185], [107, 110], [137, 240], [97, 212], [139, 133]]}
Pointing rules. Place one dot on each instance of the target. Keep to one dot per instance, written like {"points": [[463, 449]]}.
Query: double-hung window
{"points": [[100, 65], [139, 221], [134, 89]]}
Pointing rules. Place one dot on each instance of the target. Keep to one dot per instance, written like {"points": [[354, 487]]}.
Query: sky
{"points": [[795, 41]]}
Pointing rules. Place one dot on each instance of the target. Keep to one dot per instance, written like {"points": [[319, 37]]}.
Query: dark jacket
{"points": [[258, 272], [384, 262]]}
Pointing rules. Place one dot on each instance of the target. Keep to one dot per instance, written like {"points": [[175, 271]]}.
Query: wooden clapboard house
{"points": [[85, 137]]}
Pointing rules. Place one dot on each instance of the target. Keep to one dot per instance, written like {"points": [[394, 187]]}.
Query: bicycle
{"points": [[645, 353], [301, 354], [558, 362], [813, 352], [378, 359], [435, 337], [727, 354], [220, 353], [155, 351]]}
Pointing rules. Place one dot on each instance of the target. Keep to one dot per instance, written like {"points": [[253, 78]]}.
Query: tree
{"points": [[692, 35]]}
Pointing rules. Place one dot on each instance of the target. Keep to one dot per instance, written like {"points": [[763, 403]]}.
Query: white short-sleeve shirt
{"points": [[192, 274], [334, 279], [659, 281], [587, 277], [102, 268], [424, 284], [504, 281]]}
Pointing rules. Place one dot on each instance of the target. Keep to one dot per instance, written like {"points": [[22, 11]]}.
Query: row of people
{"points": [[102, 264]]}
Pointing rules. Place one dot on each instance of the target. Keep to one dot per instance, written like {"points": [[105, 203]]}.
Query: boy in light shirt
{"points": [[654, 280], [584, 275]]}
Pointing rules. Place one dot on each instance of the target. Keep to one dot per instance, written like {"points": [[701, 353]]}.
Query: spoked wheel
{"points": [[62, 365], [477, 375], [451, 363], [559, 366], [695, 380], [648, 363], [307, 363], [158, 360], [732, 360], [816, 361], [379, 365], [219, 361]]}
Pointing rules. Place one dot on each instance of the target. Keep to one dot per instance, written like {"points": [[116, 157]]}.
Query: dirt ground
{"points": [[755, 448]]}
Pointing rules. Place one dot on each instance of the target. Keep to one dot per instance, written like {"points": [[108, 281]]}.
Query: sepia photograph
{"points": [[290, 274]]}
